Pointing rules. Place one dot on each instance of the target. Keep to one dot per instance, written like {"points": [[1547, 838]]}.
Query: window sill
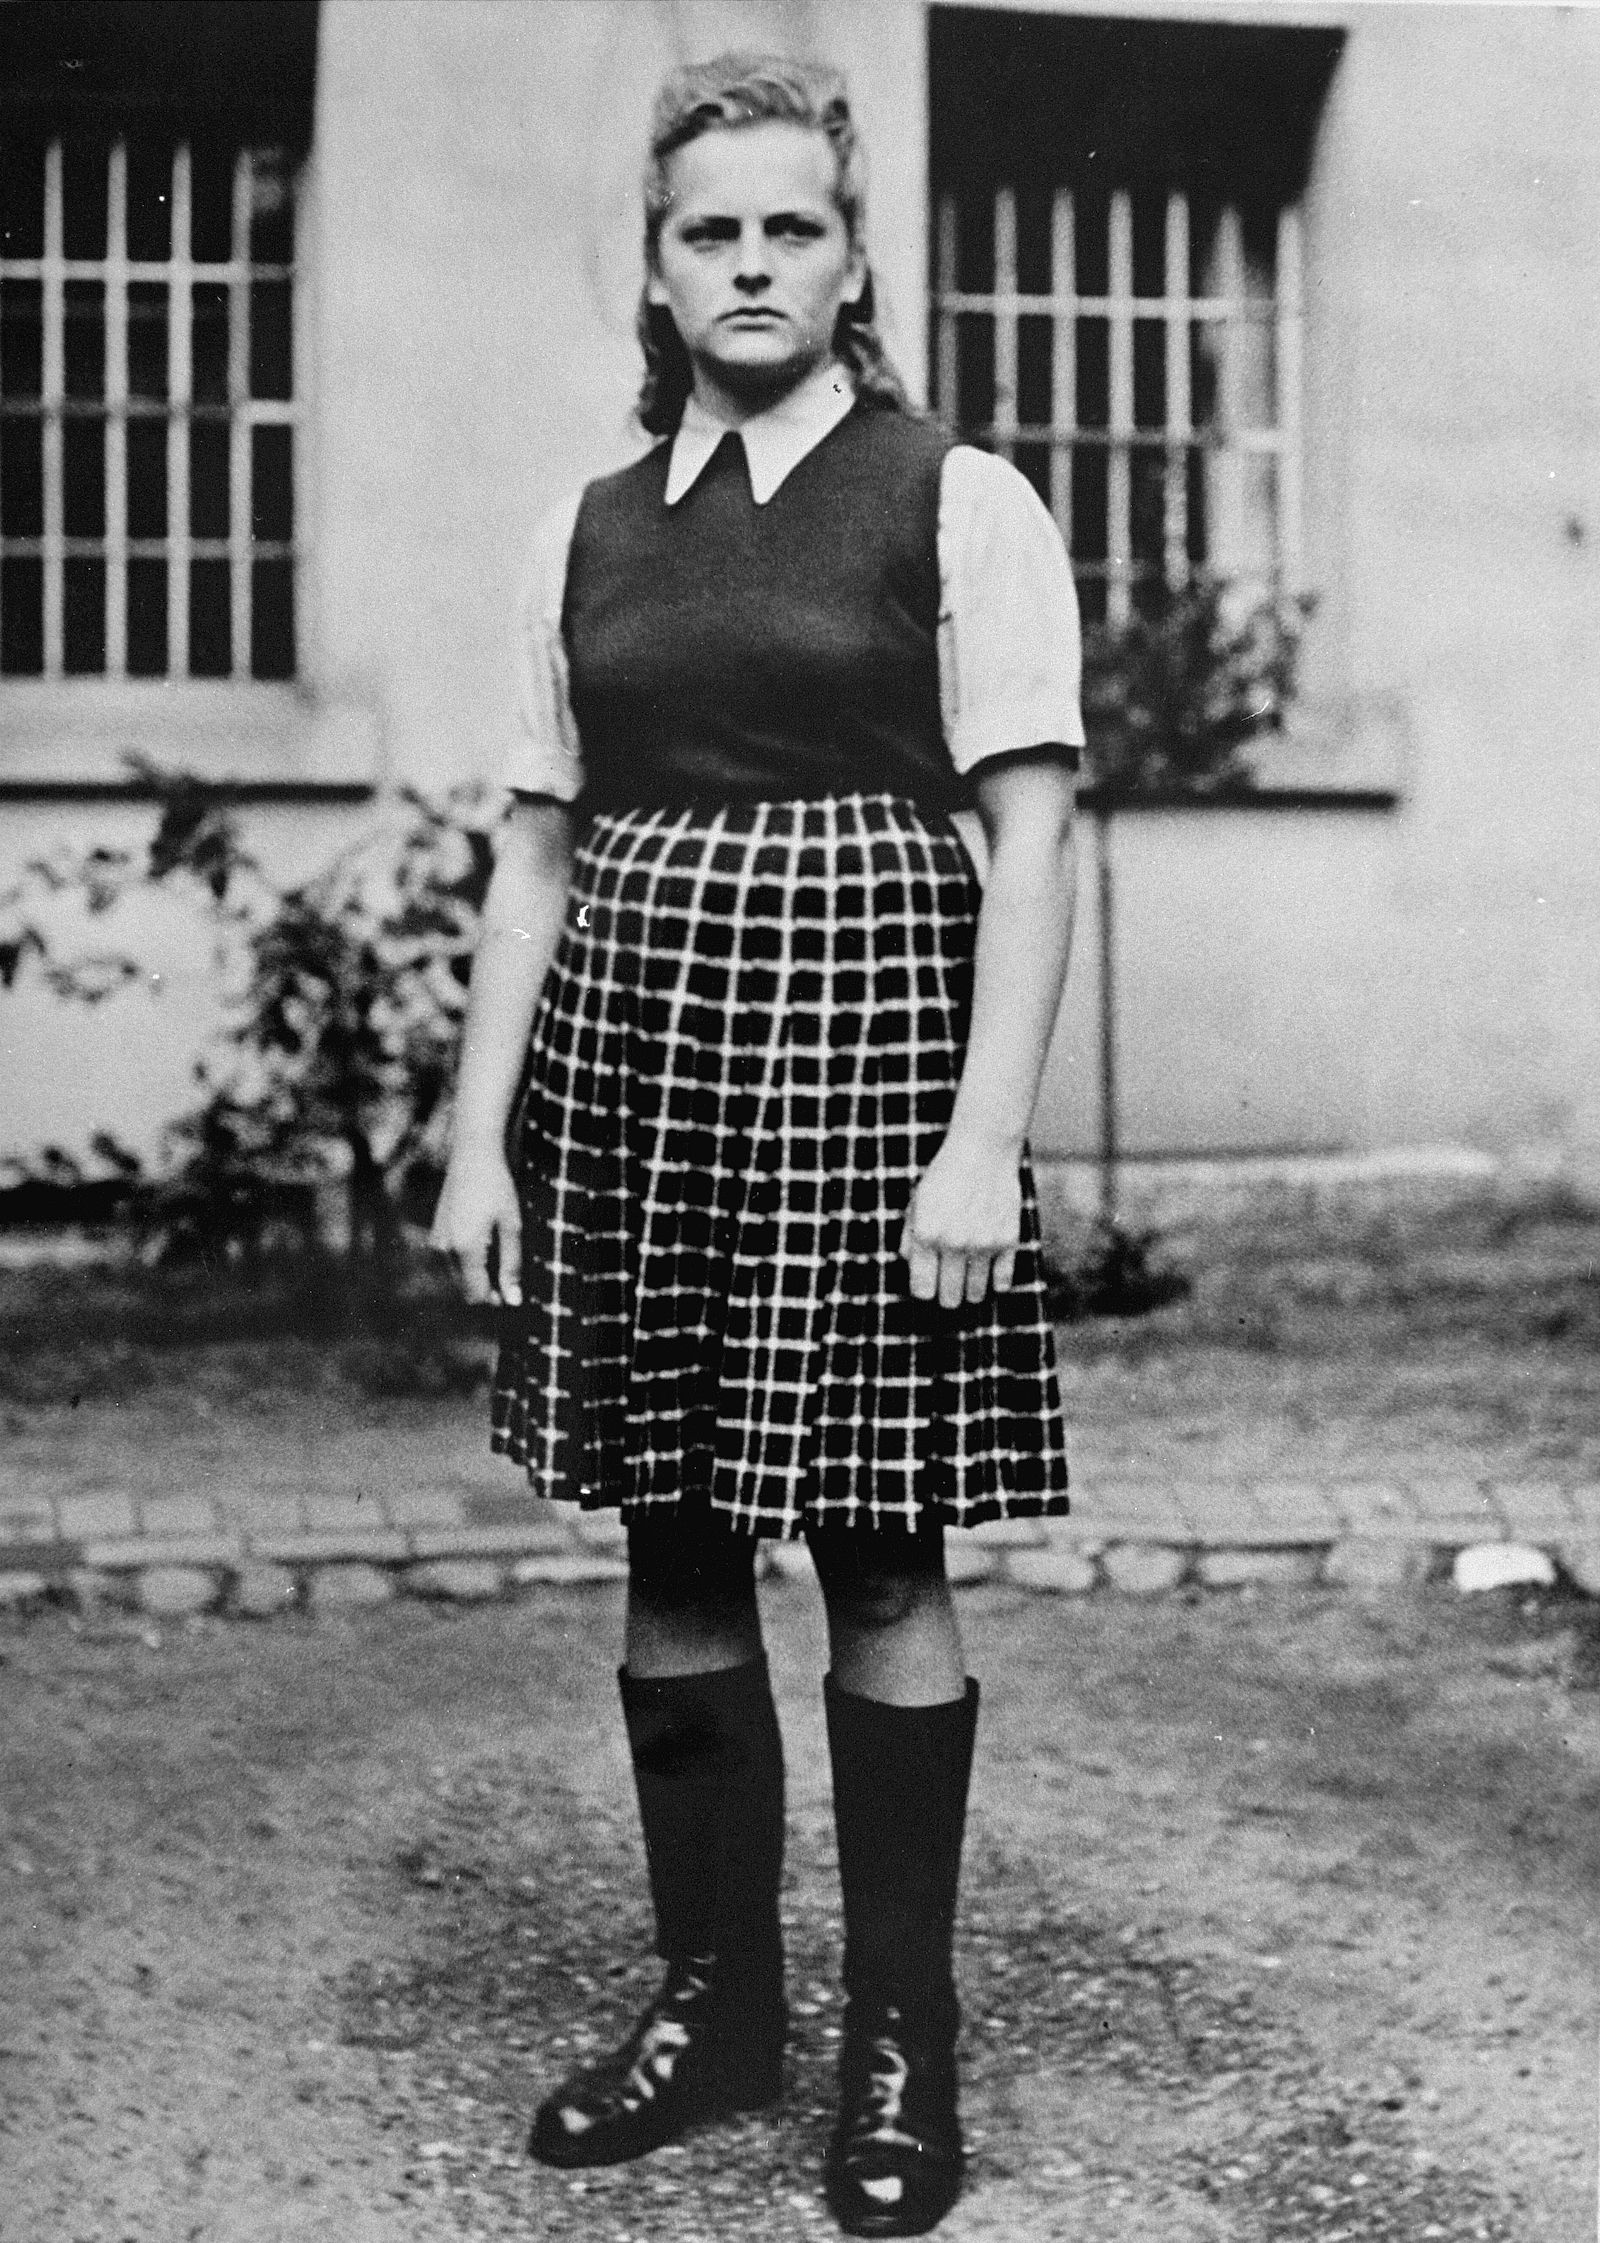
{"points": [[70, 740], [1354, 756], [1254, 797]]}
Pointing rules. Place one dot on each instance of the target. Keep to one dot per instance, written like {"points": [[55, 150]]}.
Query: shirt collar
{"points": [[775, 442]]}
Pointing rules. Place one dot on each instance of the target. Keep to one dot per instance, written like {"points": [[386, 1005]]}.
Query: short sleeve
{"points": [[1010, 656], [544, 756]]}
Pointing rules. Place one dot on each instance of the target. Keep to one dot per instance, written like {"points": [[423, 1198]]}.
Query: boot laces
{"points": [[652, 2054], [660, 2045], [886, 2081]]}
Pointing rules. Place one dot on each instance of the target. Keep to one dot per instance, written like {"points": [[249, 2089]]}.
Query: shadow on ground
{"points": [[1111, 2085]]}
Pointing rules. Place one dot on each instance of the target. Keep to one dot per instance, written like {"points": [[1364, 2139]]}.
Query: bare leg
{"points": [[691, 1599], [892, 1632]]}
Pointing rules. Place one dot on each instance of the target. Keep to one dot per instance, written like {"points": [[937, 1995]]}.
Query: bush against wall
{"points": [[344, 996], [1175, 697]]}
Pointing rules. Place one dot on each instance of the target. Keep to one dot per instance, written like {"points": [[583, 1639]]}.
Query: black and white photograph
{"points": [[799, 1135]]}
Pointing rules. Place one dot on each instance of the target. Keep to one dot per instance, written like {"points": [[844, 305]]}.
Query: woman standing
{"points": [[770, 1250]]}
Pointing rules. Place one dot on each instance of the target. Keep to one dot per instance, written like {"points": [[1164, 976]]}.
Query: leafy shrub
{"points": [[344, 999], [1113, 1276], [1173, 698]]}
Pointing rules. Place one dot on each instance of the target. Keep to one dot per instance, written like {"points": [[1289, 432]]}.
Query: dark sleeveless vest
{"points": [[723, 651]]}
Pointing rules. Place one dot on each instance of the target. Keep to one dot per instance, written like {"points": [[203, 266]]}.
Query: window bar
{"points": [[1063, 359], [300, 386], [1175, 498], [52, 400], [239, 419], [180, 390], [945, 351], [1286, 404], [1227, 541], [1119, 465], [116, 438], [1005, 322]]}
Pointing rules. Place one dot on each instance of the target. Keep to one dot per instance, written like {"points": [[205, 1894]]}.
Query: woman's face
{"points": [[754, 260]]}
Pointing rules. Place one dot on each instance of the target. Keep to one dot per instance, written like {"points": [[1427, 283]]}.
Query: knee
{"points": [[875, 1604], [872, 1589]]}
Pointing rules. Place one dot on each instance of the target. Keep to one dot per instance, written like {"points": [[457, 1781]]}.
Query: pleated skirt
{"points": [[744, 1057]]}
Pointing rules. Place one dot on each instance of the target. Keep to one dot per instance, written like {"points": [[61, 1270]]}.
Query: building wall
{"points": [[1353, 978], [1456, 456]]}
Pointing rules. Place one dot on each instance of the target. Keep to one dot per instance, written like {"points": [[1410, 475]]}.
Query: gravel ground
{"points": [[1279, 1925]]}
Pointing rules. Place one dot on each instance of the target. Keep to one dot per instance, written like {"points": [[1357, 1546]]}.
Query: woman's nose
{"points": [[754, 268]]}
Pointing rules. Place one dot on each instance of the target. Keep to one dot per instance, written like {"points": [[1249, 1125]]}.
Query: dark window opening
{"points": [[1117, 287], [148, 419]]}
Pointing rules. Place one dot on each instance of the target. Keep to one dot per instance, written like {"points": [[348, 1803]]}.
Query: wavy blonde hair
{"points": [[723, 95]]}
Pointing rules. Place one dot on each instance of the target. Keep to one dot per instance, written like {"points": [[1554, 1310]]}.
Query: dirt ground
{"points": [[1279, 1924]]}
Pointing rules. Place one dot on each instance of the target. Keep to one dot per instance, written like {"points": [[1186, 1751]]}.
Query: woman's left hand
{"points": [[965, 1219]]}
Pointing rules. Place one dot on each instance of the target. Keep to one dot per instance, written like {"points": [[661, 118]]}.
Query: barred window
{"points": [[147, 409], [1117, 298], [1138, 357]]}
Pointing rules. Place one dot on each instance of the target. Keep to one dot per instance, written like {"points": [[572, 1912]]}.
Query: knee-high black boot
{"points": [[900, 1776], [708, 1765]]}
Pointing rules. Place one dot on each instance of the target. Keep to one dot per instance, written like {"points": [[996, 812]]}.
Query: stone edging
{"points": [[176, 1576]]}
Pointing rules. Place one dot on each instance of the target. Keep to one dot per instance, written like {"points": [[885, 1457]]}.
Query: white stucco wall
{"points": [[1456, 476]]}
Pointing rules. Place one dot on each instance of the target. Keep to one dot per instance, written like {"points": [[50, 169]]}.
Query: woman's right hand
{"points": [[478, 1222]]}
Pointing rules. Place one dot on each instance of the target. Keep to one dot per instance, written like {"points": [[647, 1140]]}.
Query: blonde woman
{"points": [[768, 1243]]}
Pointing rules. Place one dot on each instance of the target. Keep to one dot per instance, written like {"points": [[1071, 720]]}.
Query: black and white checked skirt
{"points": [[744, 1057]]}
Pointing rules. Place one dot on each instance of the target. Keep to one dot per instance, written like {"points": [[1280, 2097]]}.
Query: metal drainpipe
{"points": [[1108, 1015]]}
